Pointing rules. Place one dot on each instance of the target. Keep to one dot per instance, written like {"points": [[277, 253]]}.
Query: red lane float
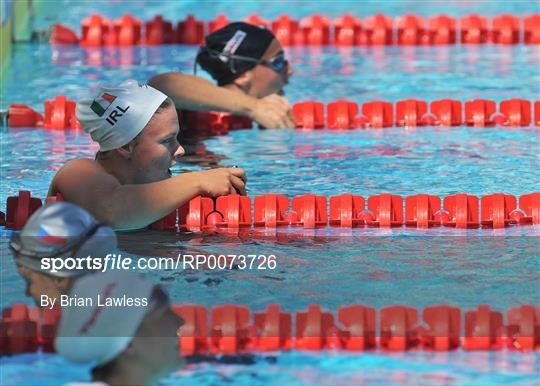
{"points": [[256, 20], [159, 31], [60, 34], [378, 114], [443, 328], [345, 210], [441, 30], [462, 211], [341, 114], [286, 31], [515, 112], [315, 30], [309, 211], [193, 334], [530, 204], [190, 31], [347, 31], [505, 29], [399, 328], [411, 113], [60, 114], [447, 112], [23, 116], [25, 329], [478, 112], [387, 210], [235, 211], [97, 32], [410, 29], [270, 211], [309, 115], [499, 211], [218, 23], [473, 29], [358, 327], [378, 31], [421, 211], [128, 30], [20, 208], [531, 26], [483, 329], [229, 329]]}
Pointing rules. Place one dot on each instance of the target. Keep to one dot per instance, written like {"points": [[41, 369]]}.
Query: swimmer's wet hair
{"points": [[166, 104]]}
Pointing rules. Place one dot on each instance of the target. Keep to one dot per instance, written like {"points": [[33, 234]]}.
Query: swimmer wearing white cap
{"points": [[127, 344], [128, 185], [58, 231]]}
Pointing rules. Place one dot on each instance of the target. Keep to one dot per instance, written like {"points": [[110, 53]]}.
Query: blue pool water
{"points": [[331, 267]]}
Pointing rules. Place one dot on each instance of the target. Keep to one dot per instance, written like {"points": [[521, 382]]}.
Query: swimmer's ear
{"points": [[244, 81], [126, 151]]}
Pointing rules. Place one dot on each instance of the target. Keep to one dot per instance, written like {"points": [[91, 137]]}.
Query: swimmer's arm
{"points": [[195, 93], [123, 206], [191, 92]]}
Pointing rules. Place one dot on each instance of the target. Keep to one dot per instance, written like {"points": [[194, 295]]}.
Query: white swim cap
{"points": [[117, 114], [97, 334], [62, 230]]}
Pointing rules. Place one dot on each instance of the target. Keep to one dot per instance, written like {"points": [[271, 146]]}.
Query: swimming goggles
{"points": [[277, 63], [16, 245]]}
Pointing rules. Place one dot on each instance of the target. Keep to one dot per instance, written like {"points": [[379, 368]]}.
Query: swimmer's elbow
{"points": [[163, 82]]}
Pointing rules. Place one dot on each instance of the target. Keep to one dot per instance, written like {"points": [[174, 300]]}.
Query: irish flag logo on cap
{"points": [[101, 104]]}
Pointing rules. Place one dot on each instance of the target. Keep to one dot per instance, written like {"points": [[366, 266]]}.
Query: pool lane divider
{"points": [[59, 113], [234, 213], [230, 330], [315, 30]]}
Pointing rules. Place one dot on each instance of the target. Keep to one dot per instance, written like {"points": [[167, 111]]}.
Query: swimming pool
{"points": [[332, 267]]}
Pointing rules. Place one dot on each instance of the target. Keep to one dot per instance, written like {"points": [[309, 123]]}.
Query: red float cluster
{"points": [[213, 122], [311, 211], [314, 30], [345, 115], [26, 329], [340, 115], [59, 114], [229, 329]]}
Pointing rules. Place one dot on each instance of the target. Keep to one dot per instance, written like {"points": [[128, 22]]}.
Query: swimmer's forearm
{"points": [[137, 206], [195, 93]]}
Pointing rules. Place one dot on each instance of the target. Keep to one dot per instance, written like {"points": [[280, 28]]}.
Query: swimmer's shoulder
{"points": [[71, 169]]}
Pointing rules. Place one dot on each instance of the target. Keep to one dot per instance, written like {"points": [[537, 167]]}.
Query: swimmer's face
{"points": [[38, 284], [266, 81], [157, 147], [156, 342]]}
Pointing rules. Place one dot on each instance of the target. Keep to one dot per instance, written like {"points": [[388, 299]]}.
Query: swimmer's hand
{"points": [[273, 112], [222, 181]]}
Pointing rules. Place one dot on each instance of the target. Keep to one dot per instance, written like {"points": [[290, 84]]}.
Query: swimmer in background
{"points": [[127, 345], [248, 64], [58, 230], [128, 185]]}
